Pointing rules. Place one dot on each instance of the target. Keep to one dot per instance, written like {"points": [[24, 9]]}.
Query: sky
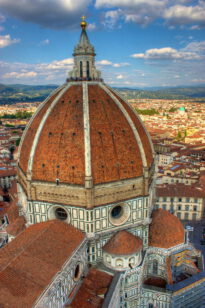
{"points": [[139, 43]]}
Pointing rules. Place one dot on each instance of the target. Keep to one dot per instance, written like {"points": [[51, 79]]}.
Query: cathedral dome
{"points": [[166, 230], [123, 251], [84, 134], [85, 127], [123, 243]]}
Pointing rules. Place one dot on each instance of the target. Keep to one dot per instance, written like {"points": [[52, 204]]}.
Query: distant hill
{"points": [[164, 93], [10, 94]]}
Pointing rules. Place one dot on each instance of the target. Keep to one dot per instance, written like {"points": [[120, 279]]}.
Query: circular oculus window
{"points": [[119, 214], [61, 214]]}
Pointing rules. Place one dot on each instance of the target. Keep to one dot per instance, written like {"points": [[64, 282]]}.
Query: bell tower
{"points": [[84, 58]]}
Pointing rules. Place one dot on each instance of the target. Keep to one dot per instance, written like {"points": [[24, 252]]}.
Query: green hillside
{"points": [[10, 94]]}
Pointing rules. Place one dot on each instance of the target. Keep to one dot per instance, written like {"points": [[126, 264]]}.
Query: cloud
{"points": [[2, 18], [139, 11], [91, 27], [109, 63], [181, 14], [195, 27], [193, 51], [45, 42], [48, 13], [40, 73], [126, 3], [104, 62], [5, 40], [121, 64], [56, 72], [120, 76], [143, 12], [20, 75], [196, 47], [111, 18], [56, 65], [53, 72]]}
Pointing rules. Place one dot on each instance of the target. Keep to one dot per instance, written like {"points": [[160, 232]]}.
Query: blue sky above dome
{"points": [[139, 43]]}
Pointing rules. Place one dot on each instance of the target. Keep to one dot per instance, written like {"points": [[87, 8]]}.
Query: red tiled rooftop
{"points": [[180, 190], [7, 172], [30, 261], [60, 150], [31, 132], [116, 158], [93, 288], [165, 230], [17, 226], [123, 243], [141, 130]]}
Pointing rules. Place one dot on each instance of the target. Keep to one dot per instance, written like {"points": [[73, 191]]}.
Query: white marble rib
{"points": [[86, 123]]}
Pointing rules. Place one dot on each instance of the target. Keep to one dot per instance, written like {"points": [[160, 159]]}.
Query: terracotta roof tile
{"points": [[30, 134], [140, 129], [180, 190], [8, 172], [123, 243], [165, 230], [60, 150], [30, 261], [94, 286], [113, 158], [17, 226], [12, 212]]}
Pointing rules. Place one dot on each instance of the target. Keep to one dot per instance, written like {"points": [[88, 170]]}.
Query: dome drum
{"points": [[77, 195], [123, 251], [122, 263]]}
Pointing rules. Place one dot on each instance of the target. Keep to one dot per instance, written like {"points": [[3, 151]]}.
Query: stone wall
{"points": [[66, 282]]}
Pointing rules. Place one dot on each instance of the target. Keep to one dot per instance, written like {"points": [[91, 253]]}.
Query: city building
{"points": [[187, 202], [86, 188]]}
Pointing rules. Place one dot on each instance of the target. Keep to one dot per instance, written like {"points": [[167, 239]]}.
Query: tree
{"points": [[179, 135]]}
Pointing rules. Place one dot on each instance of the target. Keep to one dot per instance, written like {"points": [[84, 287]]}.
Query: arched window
{"points": [[88, 69], [155, 267], [108, 259], [131, 262], [81, 69], [119, 262]]}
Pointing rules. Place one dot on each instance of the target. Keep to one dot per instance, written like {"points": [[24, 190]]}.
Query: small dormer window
{"points": [[81, 69], [88, 69]]}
